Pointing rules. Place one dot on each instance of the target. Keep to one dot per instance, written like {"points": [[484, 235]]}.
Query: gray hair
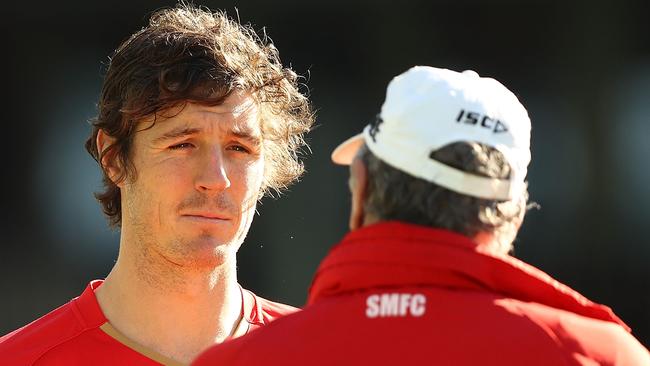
{"points": [[394, 195]]}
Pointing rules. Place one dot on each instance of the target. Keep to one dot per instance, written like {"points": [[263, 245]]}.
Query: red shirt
{"points": [[400, 294], [78, 333]]}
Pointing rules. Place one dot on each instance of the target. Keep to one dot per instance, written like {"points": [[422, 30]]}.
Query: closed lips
{"points": [[206, 215]]}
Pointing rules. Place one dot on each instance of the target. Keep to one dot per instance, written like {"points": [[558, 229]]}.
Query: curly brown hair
{"points": [[192, 55]]}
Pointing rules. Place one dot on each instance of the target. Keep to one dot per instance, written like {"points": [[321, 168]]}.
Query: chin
{"points": [[208, 250]]}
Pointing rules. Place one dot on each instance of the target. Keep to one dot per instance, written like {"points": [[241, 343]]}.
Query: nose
{"points": [[212, 174]]}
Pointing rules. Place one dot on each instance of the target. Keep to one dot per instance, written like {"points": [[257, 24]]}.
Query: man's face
{"points": [[198, 177]]}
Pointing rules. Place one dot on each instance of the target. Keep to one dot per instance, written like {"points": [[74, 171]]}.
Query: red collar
{"points": [[251, 308], [87, 308], [91, 315], [391, 254]]}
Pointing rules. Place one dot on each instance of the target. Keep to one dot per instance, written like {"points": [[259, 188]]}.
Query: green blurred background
{"points": [[581, 67]]}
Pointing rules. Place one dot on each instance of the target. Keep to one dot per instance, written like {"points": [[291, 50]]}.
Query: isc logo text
{"points": [[477, 119]]}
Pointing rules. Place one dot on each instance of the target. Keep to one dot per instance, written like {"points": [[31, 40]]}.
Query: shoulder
{"points": [[599, 340], [25, 345], [582, 337]]}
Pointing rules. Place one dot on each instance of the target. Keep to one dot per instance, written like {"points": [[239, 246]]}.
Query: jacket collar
{"points": [[395, 254]]}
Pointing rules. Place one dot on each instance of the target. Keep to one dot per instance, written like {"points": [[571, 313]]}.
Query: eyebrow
{"points": [[247, 135], [180, 132], [177, 133]]}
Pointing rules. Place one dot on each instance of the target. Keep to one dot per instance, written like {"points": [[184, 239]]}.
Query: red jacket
{"points": [[400, 294], [78, 333]]}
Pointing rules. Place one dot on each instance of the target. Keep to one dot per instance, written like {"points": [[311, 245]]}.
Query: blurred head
{"points": [[186, 55], [448, 150]]}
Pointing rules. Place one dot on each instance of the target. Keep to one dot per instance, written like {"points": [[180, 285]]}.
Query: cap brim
{"points": [[346, 151]]}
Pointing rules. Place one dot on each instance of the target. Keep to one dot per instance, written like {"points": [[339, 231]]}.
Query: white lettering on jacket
{"points": [[394, 304]]}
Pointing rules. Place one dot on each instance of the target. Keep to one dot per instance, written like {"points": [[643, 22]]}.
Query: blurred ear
{"points": [[108, 161], [358, 183]]}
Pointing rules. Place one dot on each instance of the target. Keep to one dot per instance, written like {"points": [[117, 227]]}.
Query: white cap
{"points": [[427, 108]]}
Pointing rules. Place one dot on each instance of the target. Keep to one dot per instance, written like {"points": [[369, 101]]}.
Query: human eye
{"points": [[181, 146], [238, 148]]}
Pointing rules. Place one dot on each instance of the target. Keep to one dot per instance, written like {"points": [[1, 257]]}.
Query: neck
{"points": [[174, 310], [488, 242]]}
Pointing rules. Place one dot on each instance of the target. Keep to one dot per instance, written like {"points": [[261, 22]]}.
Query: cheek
{"points": [[160, 184], [246, 184], [255, 176]]}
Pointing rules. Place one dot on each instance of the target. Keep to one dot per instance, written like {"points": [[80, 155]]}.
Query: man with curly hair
{"points": [[197, 120], [425, 276]]}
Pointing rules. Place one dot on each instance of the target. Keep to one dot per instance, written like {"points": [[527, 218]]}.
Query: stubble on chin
{"points": [[172, 266]]}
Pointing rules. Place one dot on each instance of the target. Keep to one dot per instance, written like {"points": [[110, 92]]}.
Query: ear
{"points": [[108, 162], [358, 183]]}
